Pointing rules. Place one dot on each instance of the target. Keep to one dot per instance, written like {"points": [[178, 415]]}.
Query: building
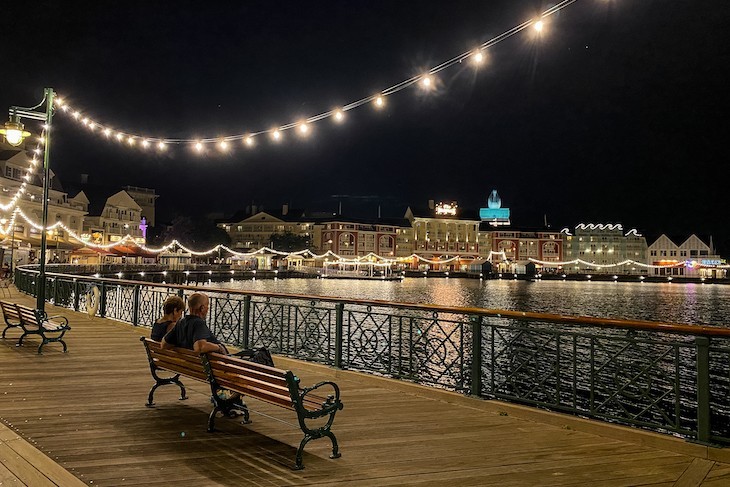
{"points": [[690, 258], [21, 178], [351, 237], [253, 229], [145, 198], [512, 249], [604, 246], [444, 231], [120, 216]]}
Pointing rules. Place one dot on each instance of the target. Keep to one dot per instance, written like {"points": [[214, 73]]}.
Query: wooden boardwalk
{"points": [[83, 413]]}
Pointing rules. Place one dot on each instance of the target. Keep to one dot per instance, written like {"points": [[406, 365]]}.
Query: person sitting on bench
{"points": [[191, 332], [173, 308]]}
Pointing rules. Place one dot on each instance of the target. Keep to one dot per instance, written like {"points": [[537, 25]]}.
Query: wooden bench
{"points": [[35, 322], [228, 373], [11, 315]]}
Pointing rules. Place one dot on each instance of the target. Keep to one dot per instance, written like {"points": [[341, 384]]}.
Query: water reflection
{"points": [[683, 303]]}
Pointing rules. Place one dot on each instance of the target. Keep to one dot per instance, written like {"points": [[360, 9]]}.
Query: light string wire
{"points": [[161, 142]]}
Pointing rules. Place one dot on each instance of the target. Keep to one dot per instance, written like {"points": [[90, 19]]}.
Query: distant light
{"points": [[161, 145], [223, 145], [478, 57], [276, 135], [92, 125], [107, 132], [59, 102], [130, 141], [85, 121], [379, 102], [426, 82], [119, 136], [339, 116], [538, 25], [145, 143], [303, 128], [248, 141], [198, 146], [76, 115]]}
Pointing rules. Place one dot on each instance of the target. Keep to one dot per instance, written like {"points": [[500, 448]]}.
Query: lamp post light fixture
{"points": [[14, 133]]}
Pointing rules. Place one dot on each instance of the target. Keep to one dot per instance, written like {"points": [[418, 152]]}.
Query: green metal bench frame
{"points": [[226, 373], [36, 322]]}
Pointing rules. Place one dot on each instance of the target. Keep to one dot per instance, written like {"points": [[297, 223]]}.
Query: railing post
{"points": [[246, 321], [76, 295], [102, 300], [135, 309], [476, 355], [54, 296], [703, 389], [339, 323]]}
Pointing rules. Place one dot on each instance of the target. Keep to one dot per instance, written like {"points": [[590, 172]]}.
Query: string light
{"points": [[303, 128], [426, 82], [248, 141]]}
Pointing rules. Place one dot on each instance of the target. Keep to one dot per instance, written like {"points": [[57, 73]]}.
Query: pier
{"points": [[81, 416]]}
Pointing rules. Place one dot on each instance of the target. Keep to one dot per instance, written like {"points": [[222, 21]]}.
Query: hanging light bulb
{"points": [[198, 146], [276, 135], [303, 128], [379, 102], [223, 145], [426, 82], [478, 57], [538, 26], [339, 116], [161, 145], [248, 140]]}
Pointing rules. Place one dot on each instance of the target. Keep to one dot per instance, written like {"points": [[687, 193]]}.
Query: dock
{"points": [[79, 418]]}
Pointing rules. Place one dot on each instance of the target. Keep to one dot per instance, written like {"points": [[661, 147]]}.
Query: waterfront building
{"points": [[604, 246], [692, 257], [353, 237], [512, 249], [120, 216], [253, 229], [24, 237], [145, 198], [443, 231]]}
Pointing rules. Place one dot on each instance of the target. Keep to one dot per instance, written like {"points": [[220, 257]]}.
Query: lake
{"points": [[705, 304]]}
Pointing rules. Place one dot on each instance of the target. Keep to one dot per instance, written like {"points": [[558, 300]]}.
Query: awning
{"points": [[129, 249]]}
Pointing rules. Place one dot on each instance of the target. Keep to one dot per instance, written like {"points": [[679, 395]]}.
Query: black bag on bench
{"points": [[258, 355]]}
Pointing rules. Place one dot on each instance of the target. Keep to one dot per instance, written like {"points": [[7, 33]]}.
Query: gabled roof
{"points": [[80, 198], [123, 200]]}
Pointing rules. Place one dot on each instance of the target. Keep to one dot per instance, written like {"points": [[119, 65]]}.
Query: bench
{"points": [[11, 315], [228, 373], [35, 322]]}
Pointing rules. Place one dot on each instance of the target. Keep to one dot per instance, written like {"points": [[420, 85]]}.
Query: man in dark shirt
{"points": [[191, 331]]}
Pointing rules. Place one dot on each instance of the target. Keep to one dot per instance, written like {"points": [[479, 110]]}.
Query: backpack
{"points": [[257, 355]]}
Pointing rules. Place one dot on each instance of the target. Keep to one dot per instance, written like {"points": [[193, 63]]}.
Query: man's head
{"points": [[198, 304]]}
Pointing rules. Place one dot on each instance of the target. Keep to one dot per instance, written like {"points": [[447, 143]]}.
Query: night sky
{"points": [[617, 113]]}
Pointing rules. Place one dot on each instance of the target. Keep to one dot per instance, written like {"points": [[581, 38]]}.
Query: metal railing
{"points": [[670, 378]]}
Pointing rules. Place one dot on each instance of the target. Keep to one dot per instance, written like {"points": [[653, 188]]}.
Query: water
{"points": [[701, 304]]}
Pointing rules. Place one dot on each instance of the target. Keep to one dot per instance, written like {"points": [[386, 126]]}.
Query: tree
{"points": [[199, 234], [289, 242]]}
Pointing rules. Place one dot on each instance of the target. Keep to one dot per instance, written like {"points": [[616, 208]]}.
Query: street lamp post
{"points": [[15, 134]]}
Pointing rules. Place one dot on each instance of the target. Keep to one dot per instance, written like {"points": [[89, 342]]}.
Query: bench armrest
{"points": [[56, 318], [333, 400]]}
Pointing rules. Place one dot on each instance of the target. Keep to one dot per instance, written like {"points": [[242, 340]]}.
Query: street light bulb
{"points": [[14, 132]]}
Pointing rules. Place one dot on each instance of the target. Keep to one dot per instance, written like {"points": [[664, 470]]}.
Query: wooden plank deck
{"points": [[84, 410]]}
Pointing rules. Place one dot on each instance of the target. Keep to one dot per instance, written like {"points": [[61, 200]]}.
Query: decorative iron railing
{"points": [[665, 377]]}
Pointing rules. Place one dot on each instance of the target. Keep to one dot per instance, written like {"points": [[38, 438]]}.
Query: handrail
{"points": [[646, 325]]}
